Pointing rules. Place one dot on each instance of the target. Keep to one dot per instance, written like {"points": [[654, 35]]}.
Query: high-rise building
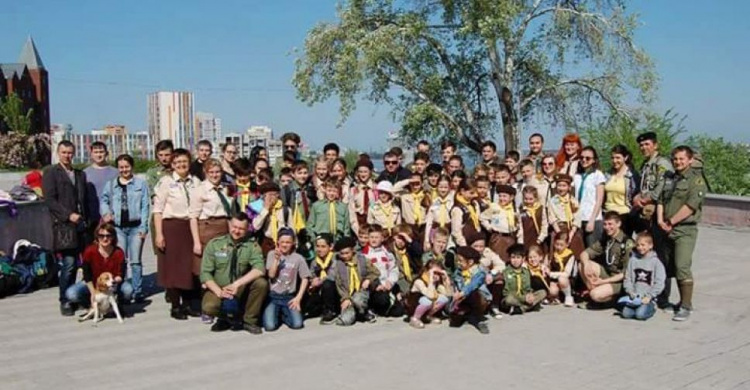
{"points": [[256, 136], [118, 141], [27, 78], [171, 116], [208, 127]]}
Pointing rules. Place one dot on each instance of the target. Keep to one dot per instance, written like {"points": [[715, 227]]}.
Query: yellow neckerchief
{"points": [[561, 257], [510, 213], [518, 273], [274, 224], [426, 279], [243, 190], [531, 211], [467, 274], [323, 264], [387, 211], [443, 212], [401, 253], [434, 193], [299, 220], [332, 217], [418, 214], [472, 210], [537, 271], [565, 202], [354, 282]]}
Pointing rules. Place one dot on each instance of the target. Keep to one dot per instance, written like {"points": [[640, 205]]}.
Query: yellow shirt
{"points": [[614, 190]]}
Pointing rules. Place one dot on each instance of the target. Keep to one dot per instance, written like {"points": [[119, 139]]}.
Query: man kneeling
{"points": [[232, 270], [605, 261]]}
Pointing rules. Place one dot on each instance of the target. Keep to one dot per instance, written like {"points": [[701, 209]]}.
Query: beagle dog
{"points": [[105, 300]]}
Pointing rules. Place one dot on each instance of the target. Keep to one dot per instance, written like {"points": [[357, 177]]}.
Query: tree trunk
{"points": [[512, 137]]}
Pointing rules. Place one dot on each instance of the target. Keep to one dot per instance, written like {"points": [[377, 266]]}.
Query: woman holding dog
{"points": [[102, 256]]}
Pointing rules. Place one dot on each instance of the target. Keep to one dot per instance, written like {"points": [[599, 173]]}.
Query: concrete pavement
{"points": [[557, 348]]}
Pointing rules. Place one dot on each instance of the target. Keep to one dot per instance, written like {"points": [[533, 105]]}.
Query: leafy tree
{"points": [[726, 164], [435, 62], [602, 135], [11, 112]]}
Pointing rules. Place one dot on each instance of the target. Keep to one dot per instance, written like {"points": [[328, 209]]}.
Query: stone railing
{"points": [[726, 210]]}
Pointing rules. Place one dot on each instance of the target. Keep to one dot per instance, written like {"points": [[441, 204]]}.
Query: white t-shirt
{"points": [[587, 195]]}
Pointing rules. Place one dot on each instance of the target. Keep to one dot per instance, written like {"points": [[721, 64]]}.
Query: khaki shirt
{"points": [[653, 175], [556, 212], [357, 201], [491, 261], [612, 253], [410, 207], [687, 188], [495, 219], [205, 202], [263, 221], [381, 215], [173, 196], [434, 215]]}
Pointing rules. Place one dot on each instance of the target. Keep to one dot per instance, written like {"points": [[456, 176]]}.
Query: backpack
{"points": [[36, 267]]}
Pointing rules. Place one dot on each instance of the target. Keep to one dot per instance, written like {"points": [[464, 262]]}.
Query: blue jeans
{"points": [[642, 312], [79, 293], [278, 305], [132, 245], [67, 272]]}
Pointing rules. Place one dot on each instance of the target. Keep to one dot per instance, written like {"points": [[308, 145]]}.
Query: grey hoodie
{"points": [[645, 275]]}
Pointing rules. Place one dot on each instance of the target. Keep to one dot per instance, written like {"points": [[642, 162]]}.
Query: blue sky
{"points": [[105, 57]]}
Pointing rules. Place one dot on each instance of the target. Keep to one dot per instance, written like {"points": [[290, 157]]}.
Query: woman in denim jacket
{"points": [[126, 202]]}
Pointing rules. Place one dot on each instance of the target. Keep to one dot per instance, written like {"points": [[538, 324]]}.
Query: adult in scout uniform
{"points": [[604, 263], [209, 211], [678, 213], [653, 176], [233, 264]]}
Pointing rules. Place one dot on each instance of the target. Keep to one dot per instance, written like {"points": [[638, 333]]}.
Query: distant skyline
{"points": [[104, 59]]}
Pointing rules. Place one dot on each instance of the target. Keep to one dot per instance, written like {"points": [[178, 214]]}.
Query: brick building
{"points": [[29, 80]]}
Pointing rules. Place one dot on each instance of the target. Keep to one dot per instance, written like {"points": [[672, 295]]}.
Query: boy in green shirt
{"points": [[518, 295], [330, 215]]}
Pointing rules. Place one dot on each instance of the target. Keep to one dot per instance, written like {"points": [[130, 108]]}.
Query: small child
{"points": [[483, 192], [414, 206], [562, 269], [501, 222], [285, 177], [465, 212], [383, 212], [562, 213], [385, 294], [354, 276], [644, 280], [493, 267], [298, 198], [330, 215], [408, 252], [519, 297], [502, 178], [438, 249], [269, 217], [434, 290], [361, 194], [470, 301], [533, 227], [438, 215], [284, 299], [538, 271], [363, 238], [243, 193], [322, 298]]}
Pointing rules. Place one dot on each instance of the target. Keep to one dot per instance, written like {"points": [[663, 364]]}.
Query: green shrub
{"points": [[727, 164]]}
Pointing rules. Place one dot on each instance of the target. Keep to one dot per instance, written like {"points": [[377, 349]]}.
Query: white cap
{"points": [[385, 186]]}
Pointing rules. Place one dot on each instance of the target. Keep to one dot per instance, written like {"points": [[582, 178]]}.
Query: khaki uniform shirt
{"points": [[612, 253], [653, 176], [206, 203], [410, 207], [685, 188], [495, 219], [383, 216], [357, 201], [440, 208], [173, 196], [556, 212]]}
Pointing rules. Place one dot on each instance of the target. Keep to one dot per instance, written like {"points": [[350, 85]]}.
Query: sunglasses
{"points": [[391, 162], [290, 146], [104, 235], [587, 158]]}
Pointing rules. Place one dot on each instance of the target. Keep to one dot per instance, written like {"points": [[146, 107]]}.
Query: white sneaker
{"points": [[496, 313], [569, 302]]}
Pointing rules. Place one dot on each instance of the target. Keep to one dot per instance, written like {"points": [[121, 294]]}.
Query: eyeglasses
{"points": [[391, 162], [104, 235]]}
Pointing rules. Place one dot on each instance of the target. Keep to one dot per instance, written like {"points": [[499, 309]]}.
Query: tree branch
{"points": [[588, 84]]}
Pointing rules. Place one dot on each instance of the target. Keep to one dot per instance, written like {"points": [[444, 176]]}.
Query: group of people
{"points": [[244, 246]]}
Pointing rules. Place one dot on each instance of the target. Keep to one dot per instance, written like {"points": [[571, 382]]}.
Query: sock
{"points": [[686, 293], [420, 311], [566, 291], [438, 307]]}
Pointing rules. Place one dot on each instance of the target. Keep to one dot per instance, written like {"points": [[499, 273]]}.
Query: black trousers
{"points": [[380, 302], [321, 300]]}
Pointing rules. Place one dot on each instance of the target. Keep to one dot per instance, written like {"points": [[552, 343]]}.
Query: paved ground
{"points": [[557, 348]]}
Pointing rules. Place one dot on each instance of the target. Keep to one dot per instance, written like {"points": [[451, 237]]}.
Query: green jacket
{"points": [[653, 176], [319, 221], [612, 253], [217, 256], [511, 277], [685, 188], [153, 175]]}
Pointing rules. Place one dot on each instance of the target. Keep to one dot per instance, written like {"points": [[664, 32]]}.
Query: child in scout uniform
{"points": [[243, 194], [414, 206], [471, 297], [284, 268], [353, 275], [644, 280], [438, 215], [322, 299], [562, 213], [439, 249], [533, 223], [528, 179], [321, 172], [539, 273], [270, 216], [385, 293], [501, 221], [483, 192], [361, 194], [562, 267], [465, 212], [383, 212], [432, 177], [518, 294], [298, 198], [433, 291], [329, 215], [493, 267], [408, 252], [502, 178], [363, 238]]}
